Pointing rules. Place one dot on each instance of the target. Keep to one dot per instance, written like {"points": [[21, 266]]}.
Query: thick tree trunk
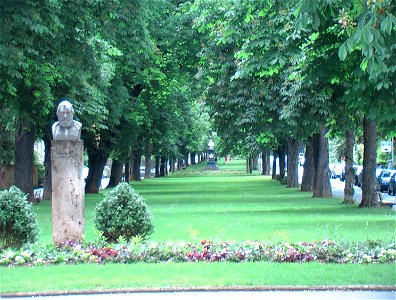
{"points": [[293, 147], [249, 165], [253, 162], [179, 164], [47, 193], [193, 155], [147, 161], [127, 172], [268, 163], [265, 163], [307, 183], [116, 173], [1, 148], [172, 164], [96, 164], [157, 166], [322, 187], [369, 193], [349, 172], [274, 166], [282, 160], [136, 161], [186, 158], [23, 172], [162, 166]]}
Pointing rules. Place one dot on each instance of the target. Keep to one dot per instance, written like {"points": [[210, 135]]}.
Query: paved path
{"points": [[338, 191], [248, 295]]}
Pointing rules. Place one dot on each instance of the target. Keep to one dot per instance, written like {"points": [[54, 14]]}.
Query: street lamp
{"points": [[211, 165]]}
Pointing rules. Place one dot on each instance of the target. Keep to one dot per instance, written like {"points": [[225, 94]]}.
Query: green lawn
{"points": [[222, 206], [236, 206], [189, 275]]}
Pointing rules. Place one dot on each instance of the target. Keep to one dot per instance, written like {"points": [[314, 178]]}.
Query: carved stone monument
{"points": [[67, 177]]}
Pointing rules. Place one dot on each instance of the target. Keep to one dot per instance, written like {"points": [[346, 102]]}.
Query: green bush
{"points": [[18, 224], [123, 212]]}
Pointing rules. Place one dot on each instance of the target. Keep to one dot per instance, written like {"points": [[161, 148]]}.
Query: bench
{"points": [[381, 201]]}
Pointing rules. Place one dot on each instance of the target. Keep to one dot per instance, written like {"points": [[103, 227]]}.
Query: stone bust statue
{"points": [[66, 129]]}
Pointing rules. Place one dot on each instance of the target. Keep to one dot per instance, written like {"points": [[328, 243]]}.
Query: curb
{"points": [[353, 288]]}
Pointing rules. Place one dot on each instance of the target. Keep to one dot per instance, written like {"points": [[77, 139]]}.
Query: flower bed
{"points": [[206, 251]]}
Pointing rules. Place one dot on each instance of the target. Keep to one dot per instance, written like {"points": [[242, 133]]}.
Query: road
{"points": [[338, 191]]}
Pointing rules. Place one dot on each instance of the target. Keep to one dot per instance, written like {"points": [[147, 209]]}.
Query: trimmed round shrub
{"points": [[123, 212], [18, 224]]}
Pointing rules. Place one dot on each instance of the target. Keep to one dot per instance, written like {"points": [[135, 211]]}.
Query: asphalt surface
{"points": [[338, 191]]}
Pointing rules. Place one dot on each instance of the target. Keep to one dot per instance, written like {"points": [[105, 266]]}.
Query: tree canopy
{"points": [[159, 76]]}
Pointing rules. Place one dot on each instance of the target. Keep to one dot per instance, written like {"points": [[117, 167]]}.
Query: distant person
{"points": [[66, 129]]}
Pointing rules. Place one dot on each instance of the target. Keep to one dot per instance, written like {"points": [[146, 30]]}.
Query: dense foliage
{"points": [[18, 223], [123, 213], [149, 76]]}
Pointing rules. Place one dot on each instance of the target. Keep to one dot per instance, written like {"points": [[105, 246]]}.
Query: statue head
{"points": [[65, 114]]}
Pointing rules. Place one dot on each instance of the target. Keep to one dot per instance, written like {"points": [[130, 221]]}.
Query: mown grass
{"points": [[236, 206], [224, 206], [190, 275]]}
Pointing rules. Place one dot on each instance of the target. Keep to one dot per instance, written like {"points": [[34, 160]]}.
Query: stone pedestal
{"points": [[67, 190]]}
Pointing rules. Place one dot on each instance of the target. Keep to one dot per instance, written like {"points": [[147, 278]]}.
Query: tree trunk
{"points": [[265, 162], [172, 164], [349, 172], [322, 187], [157, 166], [23, 172], [274, 166], [369, 193], [166, 166], [293, 147], [307, 183], [116, 173], [282, 161], [253, 161], [47, 193], [249, 166], [127, 172], [162, 166], [1, 148], [179, 164], [268, 163], [147, 161], [193, 155], [96, 164], [186, 158], [136, 161]]}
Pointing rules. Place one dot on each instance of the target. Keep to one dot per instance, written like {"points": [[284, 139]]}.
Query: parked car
{"points": [[360, 176], [356, 170], [392, 185], [383, 180]]}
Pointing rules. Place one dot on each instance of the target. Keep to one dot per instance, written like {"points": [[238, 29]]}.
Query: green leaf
{"points": [[342, 52], [368, 35], [363, 65], [386, 24]]}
